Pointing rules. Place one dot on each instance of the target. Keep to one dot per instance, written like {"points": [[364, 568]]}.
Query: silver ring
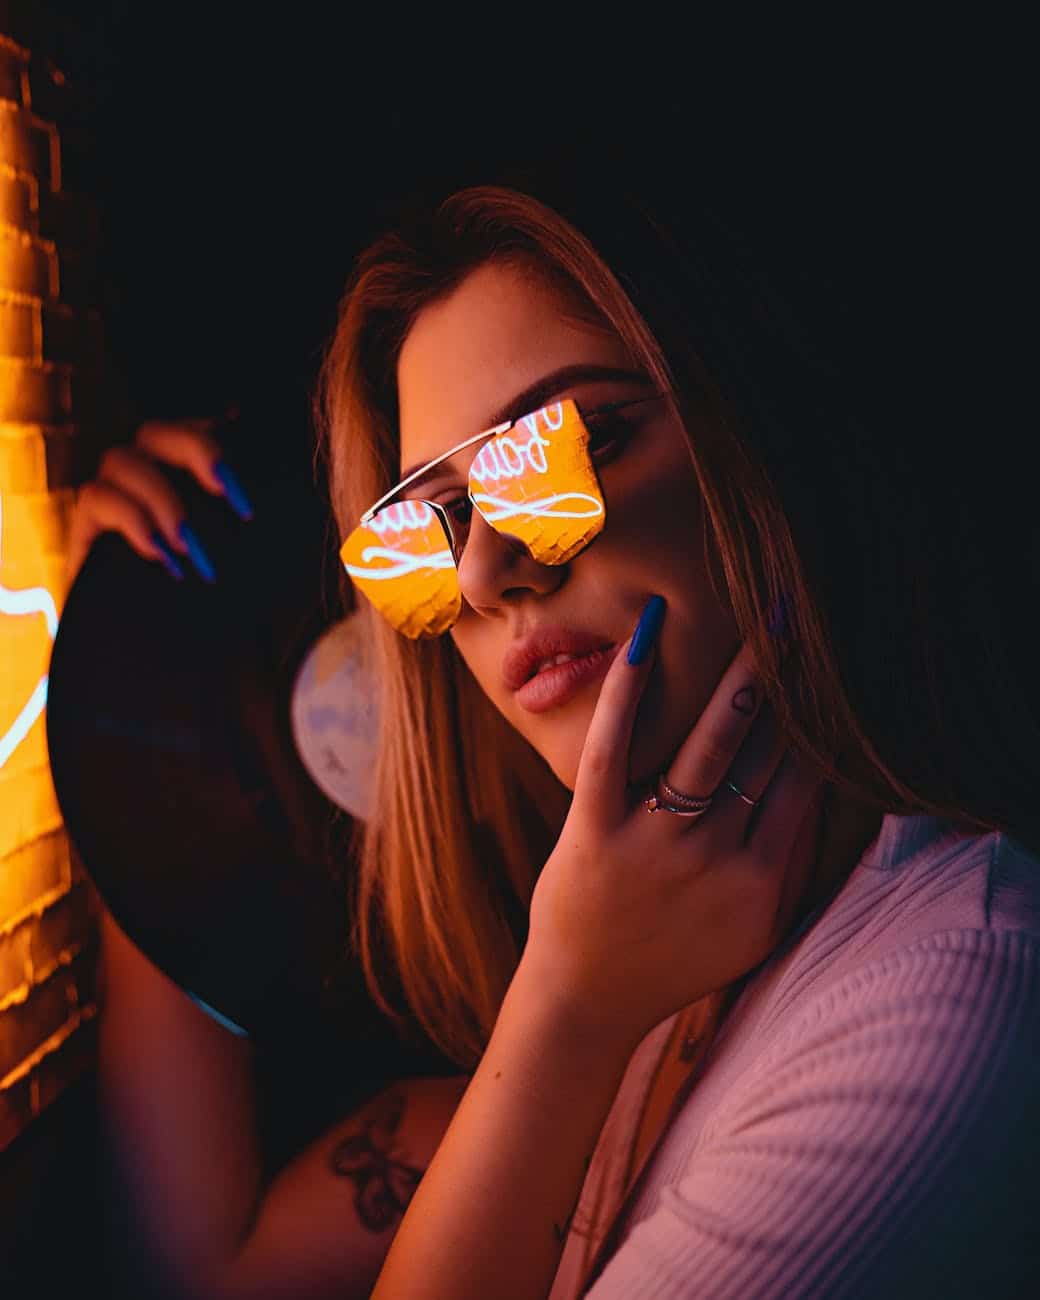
{"points": [[667, 799], [751, 803]]}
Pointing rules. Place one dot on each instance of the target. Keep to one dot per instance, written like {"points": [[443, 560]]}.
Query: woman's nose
{"points": [[496, 569]]}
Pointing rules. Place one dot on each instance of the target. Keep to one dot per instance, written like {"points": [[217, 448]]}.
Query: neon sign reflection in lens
{"points": [[533, 481], [401, 560], [542, 490]]}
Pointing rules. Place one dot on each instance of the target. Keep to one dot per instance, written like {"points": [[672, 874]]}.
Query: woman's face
{"points": [[505, 342]]}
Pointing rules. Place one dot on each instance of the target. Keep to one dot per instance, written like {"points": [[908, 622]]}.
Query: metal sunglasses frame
{"points": [[485, 436], [495, 431]]}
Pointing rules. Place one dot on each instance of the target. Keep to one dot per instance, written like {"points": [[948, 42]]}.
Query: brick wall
{"points": [[50, 349]]}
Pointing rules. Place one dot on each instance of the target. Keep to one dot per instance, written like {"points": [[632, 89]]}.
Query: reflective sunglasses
{"points": [[532, 480]]}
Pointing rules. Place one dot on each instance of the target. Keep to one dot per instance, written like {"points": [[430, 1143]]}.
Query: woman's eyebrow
{"points": [[538, 393]]}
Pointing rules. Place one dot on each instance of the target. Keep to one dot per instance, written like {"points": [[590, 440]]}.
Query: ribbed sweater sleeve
{"points": [[886, 1144]]}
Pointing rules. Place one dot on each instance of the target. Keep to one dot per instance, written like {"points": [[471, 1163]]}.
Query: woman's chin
{"points": [[649, 755], [565, 769], [559, 739], [641, 773]]}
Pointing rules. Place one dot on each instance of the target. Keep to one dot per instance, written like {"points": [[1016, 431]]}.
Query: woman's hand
{"points": [[638, 913], [132, 496]]}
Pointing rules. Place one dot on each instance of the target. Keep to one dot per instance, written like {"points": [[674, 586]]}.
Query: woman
{"points": [[794, 871]]}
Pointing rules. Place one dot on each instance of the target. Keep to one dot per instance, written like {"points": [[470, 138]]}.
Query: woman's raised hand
{"points": [[638, 913], [132, 496]]}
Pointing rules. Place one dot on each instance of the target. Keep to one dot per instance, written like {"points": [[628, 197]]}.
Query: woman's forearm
{"points": [[325, 1223], [178, 1093], [491, 1214], [178, 1111]]}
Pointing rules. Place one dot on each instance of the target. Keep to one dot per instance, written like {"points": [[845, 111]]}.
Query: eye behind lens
{"points": [[459, 511], [608, 436]]}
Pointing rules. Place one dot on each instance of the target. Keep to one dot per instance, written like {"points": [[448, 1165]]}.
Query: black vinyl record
{"points": [[171, 752], [171, 747]]}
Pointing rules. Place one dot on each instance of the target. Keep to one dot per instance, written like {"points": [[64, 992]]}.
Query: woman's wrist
{"points": [[511, 1166], [581, 1027]]}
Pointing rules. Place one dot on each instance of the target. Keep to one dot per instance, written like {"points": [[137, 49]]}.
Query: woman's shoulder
{"points": [[887, 1129], [922, 878], [1014, 885], [932, 922], [870, 1112]]}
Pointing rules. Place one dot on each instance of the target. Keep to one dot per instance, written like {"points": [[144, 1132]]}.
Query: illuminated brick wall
{"points": [[49, 349]]}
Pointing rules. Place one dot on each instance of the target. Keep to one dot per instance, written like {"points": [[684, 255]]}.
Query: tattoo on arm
{"points": [[385, 1183]]}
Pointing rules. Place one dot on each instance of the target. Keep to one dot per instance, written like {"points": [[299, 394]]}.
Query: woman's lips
{"points": [[554, 684]]}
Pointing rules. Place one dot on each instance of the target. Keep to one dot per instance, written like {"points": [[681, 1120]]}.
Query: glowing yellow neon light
{"points": [[16, 604]]}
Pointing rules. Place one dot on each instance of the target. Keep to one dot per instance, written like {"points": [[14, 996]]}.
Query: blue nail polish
{"points": [[218, 1016], [197, 553], [167, 556], [233, 490], [646, 630]]}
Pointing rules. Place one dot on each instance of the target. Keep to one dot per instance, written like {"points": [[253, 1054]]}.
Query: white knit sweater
{"points": [[868, 1122]]}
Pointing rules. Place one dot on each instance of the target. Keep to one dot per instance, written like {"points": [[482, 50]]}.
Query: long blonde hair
{"points": [[464, 812]]}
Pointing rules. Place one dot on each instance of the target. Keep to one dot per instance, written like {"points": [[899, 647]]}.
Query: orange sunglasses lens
{"points": [[401, 561], [536, 483]]}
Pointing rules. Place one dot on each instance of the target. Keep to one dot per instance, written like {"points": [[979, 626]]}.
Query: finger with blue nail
{"points": [[197, 553], [233, 490], [134, 495], [603, 769], [190, 445]]}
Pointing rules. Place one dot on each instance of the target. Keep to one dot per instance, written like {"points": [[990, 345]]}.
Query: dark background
{"points": [[240, 162], [240, 156]]}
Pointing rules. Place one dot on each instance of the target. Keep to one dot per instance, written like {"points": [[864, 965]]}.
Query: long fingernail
{"points": [[233, 490], [218, 1016], [167, 556], [646, 630], [197, 552]]}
